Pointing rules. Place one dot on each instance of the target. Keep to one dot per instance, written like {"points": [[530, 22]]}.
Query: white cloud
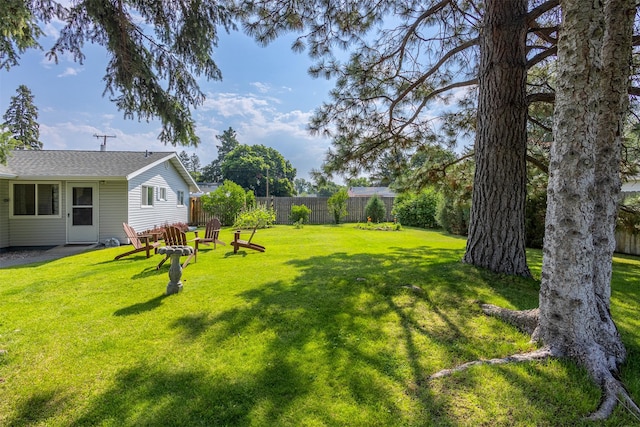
{"points": [[261, 120], [261, 87], [70, 71]]}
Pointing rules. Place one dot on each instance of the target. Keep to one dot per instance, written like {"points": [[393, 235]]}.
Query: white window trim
{"points": [[160, 196], [36, 216], [178, 198], [144, 196]]}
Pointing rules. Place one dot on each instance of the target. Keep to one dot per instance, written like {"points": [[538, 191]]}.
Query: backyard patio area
{"points": [[330, 326]]}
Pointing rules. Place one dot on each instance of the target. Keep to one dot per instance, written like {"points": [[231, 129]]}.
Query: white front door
{"points": [[82, 212]]}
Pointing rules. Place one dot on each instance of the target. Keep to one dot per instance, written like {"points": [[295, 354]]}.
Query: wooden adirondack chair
{"points": [[239, 243], [173, 236], [211, 233], [141, 243]]}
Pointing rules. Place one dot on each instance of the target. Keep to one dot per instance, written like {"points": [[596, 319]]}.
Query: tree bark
{"points": [[496, 225], [573, 319], [594, 52]]}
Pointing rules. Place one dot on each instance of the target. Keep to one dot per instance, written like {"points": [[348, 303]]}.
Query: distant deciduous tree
{"points": [[258, 168], [6, 145], [302, 186], [21, 120], [358, 182]]}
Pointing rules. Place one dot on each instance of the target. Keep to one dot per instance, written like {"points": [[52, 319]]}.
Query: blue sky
{"points": [[266, 96]]}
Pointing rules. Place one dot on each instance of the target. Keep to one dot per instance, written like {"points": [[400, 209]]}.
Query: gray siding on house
{"points": [[163, 211], [117, 177], [113, 210], [41, 231], [4, 213]]}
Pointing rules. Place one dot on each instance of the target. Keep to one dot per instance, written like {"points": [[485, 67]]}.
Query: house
{"points": [[50, 198], [370, 191], [631, 186]]}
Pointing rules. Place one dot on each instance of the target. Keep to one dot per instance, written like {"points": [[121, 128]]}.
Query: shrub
{"points": [[338, 204], [259, 214], [417, 210], [375, 209], [385, 226], [453, 214], [300, 214], [225, 202]]}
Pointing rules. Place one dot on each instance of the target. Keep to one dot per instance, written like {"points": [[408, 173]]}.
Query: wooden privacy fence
{"points": [[627, 243], [319, 209]]}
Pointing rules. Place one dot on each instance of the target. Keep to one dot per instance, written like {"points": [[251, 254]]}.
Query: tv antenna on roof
{"points": [[103, 146]]}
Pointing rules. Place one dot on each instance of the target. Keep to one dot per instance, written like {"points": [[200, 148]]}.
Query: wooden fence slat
{"points": [[319, 209]]}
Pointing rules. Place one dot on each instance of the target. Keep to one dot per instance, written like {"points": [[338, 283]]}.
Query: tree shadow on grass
{"points": [[357, 331], [339, 297], [38, 408]]}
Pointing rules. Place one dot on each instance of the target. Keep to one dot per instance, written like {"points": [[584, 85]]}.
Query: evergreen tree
{"points": [[477, 53], [185, 159], [155, 50], [21, 120], [213, 171], [194, 167]]}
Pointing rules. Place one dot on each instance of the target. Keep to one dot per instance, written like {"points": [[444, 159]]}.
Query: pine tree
{"points": [[228, 141], [156, 51], [21, 120]]}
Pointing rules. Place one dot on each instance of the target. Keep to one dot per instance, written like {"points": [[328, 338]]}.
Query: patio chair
{"points": [[140, 242], [211, 233], [239, 243], [173, 236]]}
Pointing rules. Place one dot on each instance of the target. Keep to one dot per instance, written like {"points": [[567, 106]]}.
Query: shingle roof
{"points": [[67, 164], [370, 191]]}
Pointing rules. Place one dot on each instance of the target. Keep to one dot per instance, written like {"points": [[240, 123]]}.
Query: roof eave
{"points": [[68, 178]]}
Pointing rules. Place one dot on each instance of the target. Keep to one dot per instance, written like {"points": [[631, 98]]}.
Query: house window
{"points": [[147, 195], [36, 199], [180, 195], [162, 193]]}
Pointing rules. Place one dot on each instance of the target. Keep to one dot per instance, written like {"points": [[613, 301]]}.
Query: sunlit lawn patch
{"points": [[330, 326]]}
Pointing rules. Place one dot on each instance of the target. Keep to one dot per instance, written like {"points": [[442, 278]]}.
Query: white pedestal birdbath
{"points": [[175, 270]]}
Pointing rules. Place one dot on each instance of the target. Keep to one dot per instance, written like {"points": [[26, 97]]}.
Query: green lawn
{"points": [[331, 326]]}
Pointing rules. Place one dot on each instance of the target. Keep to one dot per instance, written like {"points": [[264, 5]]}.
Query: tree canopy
{"points": [[260, 169], [156, 51]]}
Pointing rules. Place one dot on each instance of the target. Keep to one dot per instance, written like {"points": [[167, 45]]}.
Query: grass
{"points": [[331, 326]]}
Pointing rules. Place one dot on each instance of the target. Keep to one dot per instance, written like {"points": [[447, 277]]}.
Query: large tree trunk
{"points": [[496, 226], [593, 70], [573, 320]]}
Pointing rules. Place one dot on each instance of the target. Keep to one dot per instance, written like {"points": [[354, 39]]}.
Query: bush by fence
{"points": [[319, 210]]}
